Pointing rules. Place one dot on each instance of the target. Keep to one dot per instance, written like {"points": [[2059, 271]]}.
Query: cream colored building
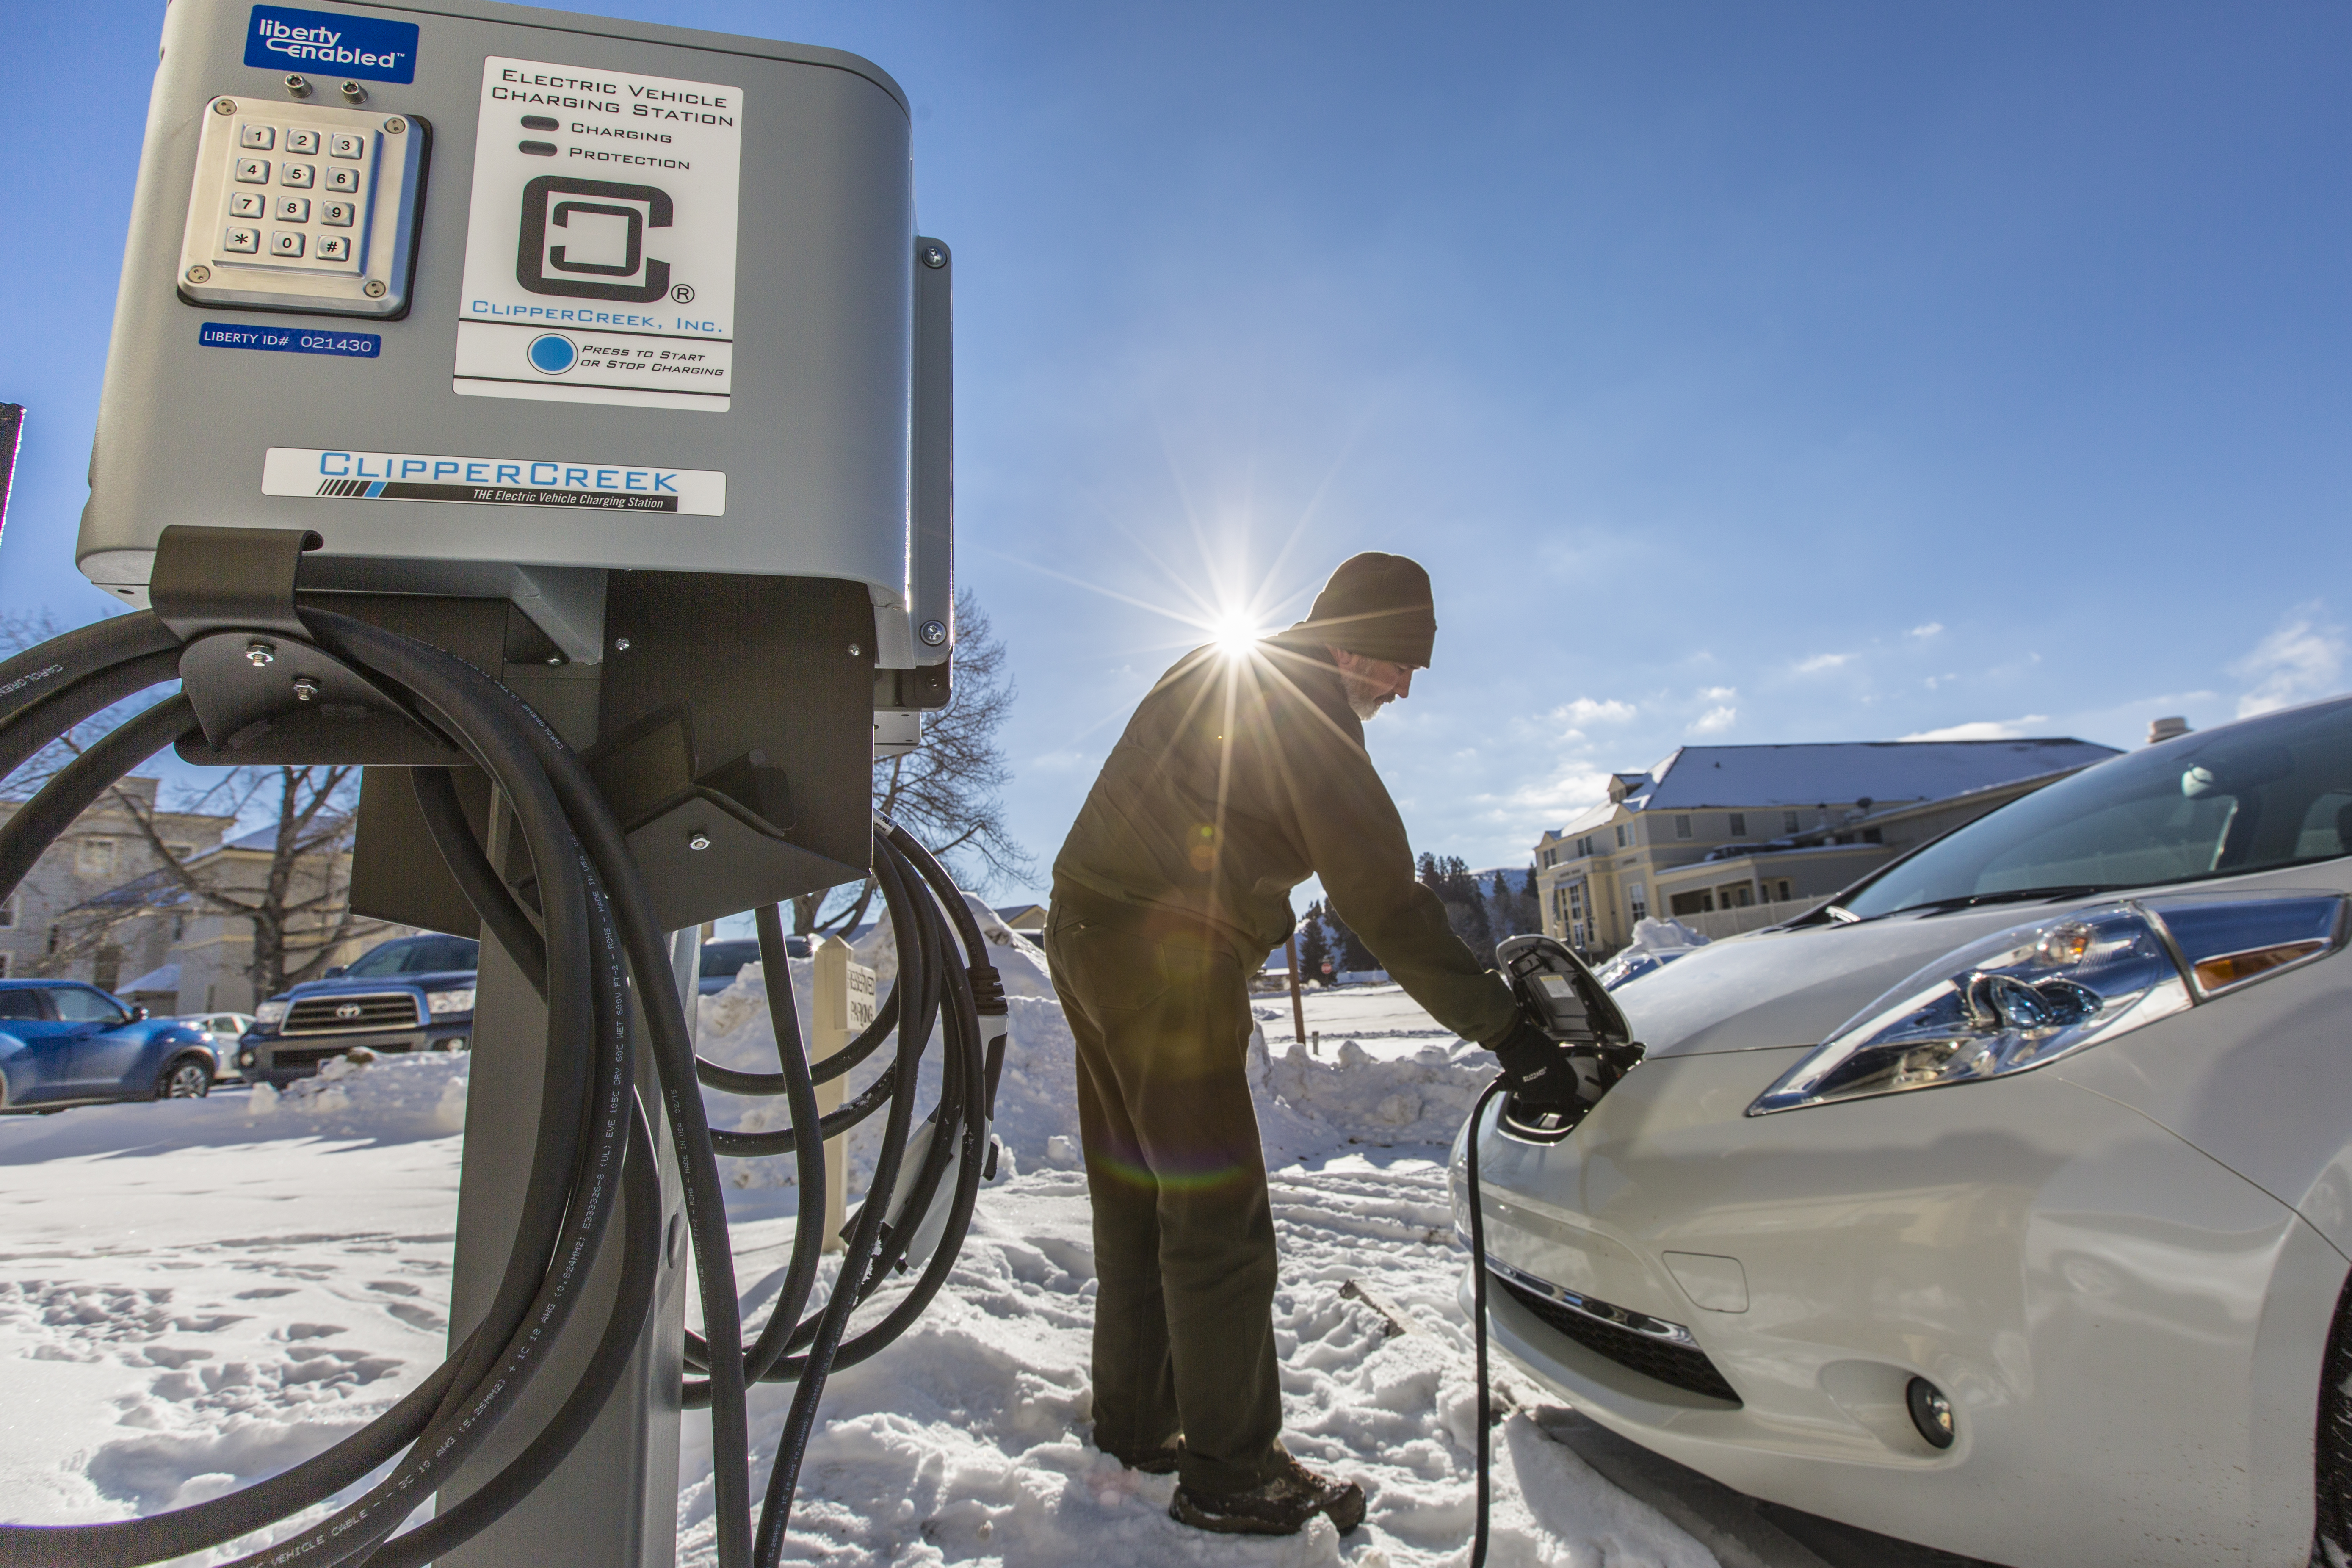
{"points": [[201, 955], [1731, 838]]}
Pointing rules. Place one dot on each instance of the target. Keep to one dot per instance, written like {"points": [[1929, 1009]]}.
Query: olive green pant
{"points": [[1184, 1256]]}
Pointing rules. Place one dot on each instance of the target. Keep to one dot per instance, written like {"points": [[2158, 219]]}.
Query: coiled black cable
{"points": [[588, 944]]}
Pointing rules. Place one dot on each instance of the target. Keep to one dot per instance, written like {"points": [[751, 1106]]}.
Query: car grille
{"points": [[1682, 1365], [334, 1015]]}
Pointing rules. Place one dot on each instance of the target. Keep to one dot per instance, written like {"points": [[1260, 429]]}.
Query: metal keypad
{"points": [[337, 191]]}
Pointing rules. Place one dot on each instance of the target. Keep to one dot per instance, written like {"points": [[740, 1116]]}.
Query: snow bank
{"points": [[391, 1095]]}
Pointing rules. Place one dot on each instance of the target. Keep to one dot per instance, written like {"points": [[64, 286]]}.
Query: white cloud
{"points": [[2302, 659], [1822, 661], [1719, 694], [1585, 710], [1931, 629], [1984, 730], [1715, 720]]}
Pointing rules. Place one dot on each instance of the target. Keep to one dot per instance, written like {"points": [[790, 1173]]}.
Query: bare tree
{"points": [[946, 791], [299, 907]]}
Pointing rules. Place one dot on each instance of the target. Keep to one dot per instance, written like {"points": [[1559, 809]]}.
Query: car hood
{"points": [[345, 985], [1778, 988]]}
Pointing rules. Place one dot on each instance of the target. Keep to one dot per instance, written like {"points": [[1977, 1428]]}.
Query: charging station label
{"points": [[600, 252], [361, 475]]}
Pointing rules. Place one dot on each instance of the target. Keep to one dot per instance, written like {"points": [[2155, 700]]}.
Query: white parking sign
{"points": [[600, 252]]}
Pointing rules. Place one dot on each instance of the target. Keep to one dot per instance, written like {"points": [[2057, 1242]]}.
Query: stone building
{"points": [[103, 849]]}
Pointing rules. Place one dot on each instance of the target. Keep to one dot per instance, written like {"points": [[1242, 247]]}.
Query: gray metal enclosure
{"points": [[812, 311]]}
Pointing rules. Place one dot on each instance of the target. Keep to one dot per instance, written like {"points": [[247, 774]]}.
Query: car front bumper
{"points": [[2130, 1334], [281, 1059]]}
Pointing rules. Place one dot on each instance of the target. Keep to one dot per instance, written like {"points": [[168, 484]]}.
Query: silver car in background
{"points": [[2004, 1205]]}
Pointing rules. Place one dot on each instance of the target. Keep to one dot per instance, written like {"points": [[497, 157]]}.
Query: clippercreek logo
{"points": [[281, 39]]}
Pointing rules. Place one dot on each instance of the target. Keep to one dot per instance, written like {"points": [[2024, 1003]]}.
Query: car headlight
{"points": [[269, 1013], [442, 1001], [245, 1058], [2036, 993]]}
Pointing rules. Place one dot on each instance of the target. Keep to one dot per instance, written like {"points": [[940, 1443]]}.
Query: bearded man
{"points": [[1240, 775]]}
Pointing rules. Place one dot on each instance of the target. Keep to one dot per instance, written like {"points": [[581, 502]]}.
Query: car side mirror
{"points": [[333, 970], [137, 1014]]}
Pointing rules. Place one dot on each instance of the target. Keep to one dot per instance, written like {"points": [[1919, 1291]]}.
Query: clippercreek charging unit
{"points": [[551, 415], [1552, 986]]}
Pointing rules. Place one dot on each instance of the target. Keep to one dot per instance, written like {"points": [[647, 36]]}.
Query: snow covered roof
{"points": [[1884, 771]]}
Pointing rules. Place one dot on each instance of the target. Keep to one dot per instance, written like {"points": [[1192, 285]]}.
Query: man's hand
{"points": [[1536, 1066]]}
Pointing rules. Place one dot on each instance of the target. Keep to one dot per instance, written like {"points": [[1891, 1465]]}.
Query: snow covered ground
{"points": [[196, 1294]]}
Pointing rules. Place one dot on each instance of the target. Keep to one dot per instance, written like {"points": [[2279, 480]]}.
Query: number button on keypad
{"points": [[334, 248], [284, 242], [347, 145], [260, 138], [336, 215], [341, 178], [253, 171], [293, 209], [306, 141], [299, 177], [242, 241], [245, 203]]}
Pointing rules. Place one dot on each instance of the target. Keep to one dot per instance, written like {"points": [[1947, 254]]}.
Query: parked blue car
{"points": [[413, 995], [63, 1043]]}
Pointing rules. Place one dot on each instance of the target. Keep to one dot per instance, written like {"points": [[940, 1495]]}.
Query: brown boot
{"points": [[1280, 1505], [1160, 1461]]}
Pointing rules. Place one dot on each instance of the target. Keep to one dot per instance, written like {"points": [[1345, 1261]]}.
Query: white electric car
{"points": [[2003, 1205]]}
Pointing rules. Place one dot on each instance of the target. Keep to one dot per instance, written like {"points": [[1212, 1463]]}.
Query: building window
{"points": [[1682, 824], [94, 857], [1624, 834], [108, 969], [1788, 822], [1584, 848], [8, 912], [1550, 855], [1637, 899], [1872, 835], [53, 940], [1784, 890], [3, 967], [1740, 824]]}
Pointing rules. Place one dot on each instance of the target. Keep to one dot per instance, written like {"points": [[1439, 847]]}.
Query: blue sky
{"points": [[1743, 373]]}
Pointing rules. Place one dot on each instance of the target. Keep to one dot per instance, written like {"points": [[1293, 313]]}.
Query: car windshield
{"points": [[721, 960], [2253, 797], [416, 955]]}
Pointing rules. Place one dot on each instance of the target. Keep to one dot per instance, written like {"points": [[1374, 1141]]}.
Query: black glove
{"points": [[1535, 1065]]}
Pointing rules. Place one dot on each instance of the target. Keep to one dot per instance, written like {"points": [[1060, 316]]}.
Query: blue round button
{"points": [[553, 355]]}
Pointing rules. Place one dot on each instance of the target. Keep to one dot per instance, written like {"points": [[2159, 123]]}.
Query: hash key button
{"points": [[347, 145], [253, 171], [284, 242], [241, 240], [336, 215], [341, 179], [260, 138], [302, 142], [297, 175], [334, 248]]}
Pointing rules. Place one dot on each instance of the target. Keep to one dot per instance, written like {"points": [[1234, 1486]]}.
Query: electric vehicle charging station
{"points": [[464, 346]]}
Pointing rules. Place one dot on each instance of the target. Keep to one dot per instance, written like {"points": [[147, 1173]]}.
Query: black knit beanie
{"points": [[1377, 606]]}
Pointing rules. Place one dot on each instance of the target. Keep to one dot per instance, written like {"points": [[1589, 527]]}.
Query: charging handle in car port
{"points": [[1554, 988]]}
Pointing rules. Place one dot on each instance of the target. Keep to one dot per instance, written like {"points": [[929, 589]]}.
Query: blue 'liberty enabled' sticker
{"points": [[281, 39], [291, 340]]}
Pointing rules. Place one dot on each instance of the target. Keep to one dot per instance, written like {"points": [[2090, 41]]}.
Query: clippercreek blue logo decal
{"points": [[281, 39]]}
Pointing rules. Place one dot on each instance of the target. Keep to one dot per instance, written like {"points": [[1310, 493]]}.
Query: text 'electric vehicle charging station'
{"points": [[552, 415]]}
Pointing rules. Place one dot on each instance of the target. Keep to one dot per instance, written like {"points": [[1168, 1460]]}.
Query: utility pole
{"points": [[1297, 999]]}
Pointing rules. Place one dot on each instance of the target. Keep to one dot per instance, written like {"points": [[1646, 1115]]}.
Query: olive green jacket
{"points": [[1237, 779]]}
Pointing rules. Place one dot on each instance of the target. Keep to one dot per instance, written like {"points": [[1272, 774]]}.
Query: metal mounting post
{"points": [[613, 1503]]}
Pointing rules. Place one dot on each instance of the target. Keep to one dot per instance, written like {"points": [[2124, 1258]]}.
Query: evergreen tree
{"points": [[1349, 949], [1313, 945]]}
